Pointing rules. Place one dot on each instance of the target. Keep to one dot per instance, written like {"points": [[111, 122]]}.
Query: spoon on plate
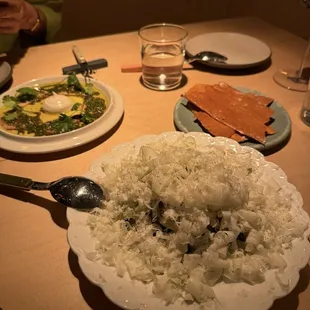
{"points": [[205, 56], [75, 192]]}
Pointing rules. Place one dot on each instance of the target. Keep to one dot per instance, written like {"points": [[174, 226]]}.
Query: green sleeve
{"points": [[6, 42], [52, 11]]}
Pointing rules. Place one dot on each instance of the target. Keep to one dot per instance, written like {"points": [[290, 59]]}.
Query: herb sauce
{"points": [[22, 114]]}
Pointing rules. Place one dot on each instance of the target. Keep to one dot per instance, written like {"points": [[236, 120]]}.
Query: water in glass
{"points": [[162, 53], [162, 66]]}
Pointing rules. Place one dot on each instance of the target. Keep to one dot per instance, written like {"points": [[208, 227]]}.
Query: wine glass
{"points": [[305, 110], [295, 79]]}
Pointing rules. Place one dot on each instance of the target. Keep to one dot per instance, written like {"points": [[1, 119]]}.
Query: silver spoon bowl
{"points": [[207, 56], [75, 192]]}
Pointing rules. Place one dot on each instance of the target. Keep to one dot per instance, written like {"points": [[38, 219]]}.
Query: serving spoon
{"points": [[75, 192], [207, 56]]}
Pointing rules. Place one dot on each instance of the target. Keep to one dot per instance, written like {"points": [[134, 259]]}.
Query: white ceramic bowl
{"points": [[130, 294], [59, 142]]}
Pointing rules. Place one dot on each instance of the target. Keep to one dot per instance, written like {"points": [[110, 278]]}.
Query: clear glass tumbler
{"points": [[162, 53], [305, 110]]}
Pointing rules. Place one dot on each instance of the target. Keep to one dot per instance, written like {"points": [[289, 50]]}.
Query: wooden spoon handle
{"points": [[131, 68]]}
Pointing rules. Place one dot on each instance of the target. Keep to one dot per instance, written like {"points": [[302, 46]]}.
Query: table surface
{"points": [[37, 268]]}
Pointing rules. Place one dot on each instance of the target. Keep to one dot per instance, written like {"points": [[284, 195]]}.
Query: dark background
{"points": [[99, 17]]}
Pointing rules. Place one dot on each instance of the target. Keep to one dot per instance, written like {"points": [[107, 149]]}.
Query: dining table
{"points": [[38, 271]]}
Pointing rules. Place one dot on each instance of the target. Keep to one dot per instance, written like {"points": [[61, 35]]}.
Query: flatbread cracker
{"points": [[270, 130], [234, 110], [261, 99], [215, 127], [240, 99], [239, 138], [266, 101]]}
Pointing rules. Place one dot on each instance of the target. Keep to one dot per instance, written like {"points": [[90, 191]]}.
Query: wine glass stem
{"points": [[302, 64]]}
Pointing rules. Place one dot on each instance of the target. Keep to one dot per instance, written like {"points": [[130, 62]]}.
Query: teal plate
{"points": [[184, 120]]}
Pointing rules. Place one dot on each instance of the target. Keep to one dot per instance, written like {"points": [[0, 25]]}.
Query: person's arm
{"points": [[34, 21], [44, 19], [50, 13]]}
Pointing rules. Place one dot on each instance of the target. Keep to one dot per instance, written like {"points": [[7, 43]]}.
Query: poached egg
{"points": [[57, 104]]}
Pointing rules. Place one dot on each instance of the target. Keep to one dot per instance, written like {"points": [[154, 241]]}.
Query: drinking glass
{"points": [[292, 78], [162, 53], [305, 110]]}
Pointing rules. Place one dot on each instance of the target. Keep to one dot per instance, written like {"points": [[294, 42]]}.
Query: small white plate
{"points": [[5, 73], [68, 140], [241, 50]]}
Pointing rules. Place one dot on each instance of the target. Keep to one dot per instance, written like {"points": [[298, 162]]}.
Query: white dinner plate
{"points": [[241, 50], [5, 73], [60, 142], [130, 294]]}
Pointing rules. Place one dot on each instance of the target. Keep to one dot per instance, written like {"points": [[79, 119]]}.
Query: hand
{"points": [[16, 15]]}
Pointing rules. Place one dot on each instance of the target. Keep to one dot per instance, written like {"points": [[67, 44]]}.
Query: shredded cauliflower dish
{"points": [[186, 218]]}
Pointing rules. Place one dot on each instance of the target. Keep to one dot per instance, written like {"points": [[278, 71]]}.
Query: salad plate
{"points": [[131, 294], [242, 51], [5, 73], [65, 139]]}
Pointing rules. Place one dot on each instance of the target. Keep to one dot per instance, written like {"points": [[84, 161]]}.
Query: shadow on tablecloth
{"points": [[92, 294], [96, 299], [56, 210]]}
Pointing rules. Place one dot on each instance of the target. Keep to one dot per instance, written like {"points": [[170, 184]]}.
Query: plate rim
{"points": [[131, 145], [256, 146], [231, 66], [9, 76], [71, 139]]}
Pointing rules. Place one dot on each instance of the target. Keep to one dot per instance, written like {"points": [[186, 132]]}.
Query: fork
{"points": [[87, 71]]}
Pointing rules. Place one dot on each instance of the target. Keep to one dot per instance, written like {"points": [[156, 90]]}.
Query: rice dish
{"points": [[186, 217]]}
